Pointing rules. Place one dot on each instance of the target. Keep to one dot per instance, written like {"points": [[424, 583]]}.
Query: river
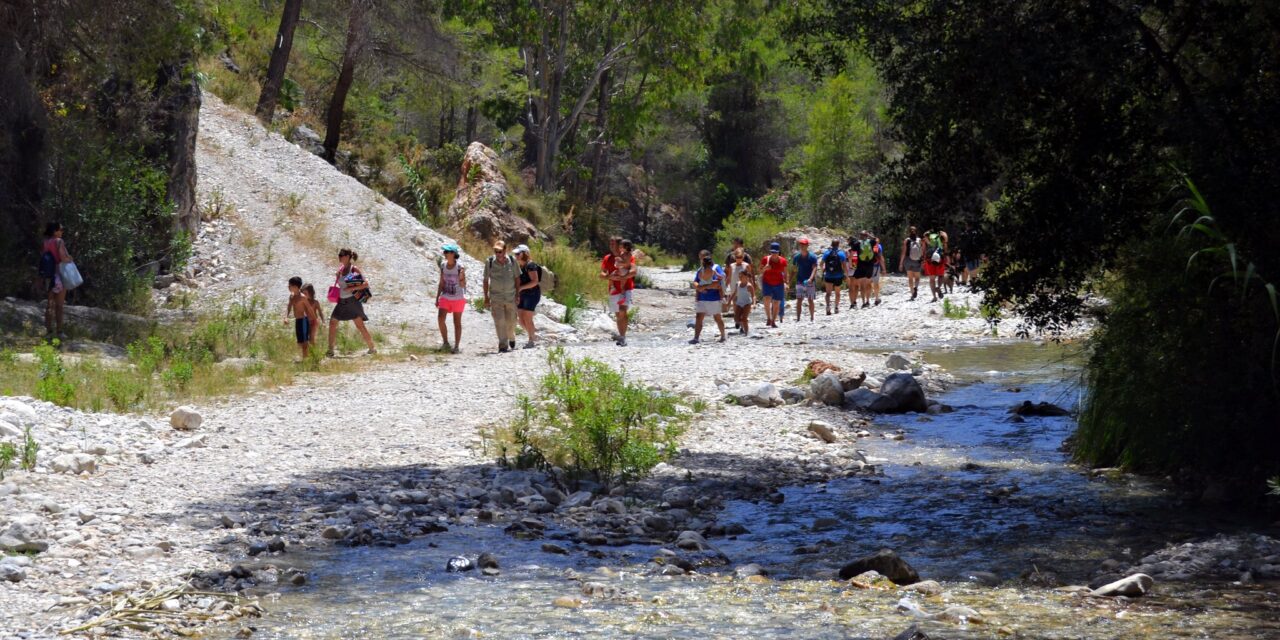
{"points": [[984, 503]]}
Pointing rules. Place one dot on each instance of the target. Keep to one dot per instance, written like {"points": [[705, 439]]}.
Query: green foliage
{"points": [[656, 256], [589, 419], [954, 311], [754, 229], [30, 448], [477, 304], [841, 149], [53, 385], [1138, 412], [124, 390], [574, 305], [8, 453], [1273, 486], [577, 270]]}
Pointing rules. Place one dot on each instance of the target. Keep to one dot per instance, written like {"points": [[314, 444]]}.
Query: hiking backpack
{"points": [[546, 280], [915, 249], [935, 252], [831, 262]]}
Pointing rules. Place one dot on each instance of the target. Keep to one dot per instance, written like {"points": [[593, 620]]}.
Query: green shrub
{"points": [[590, 420], [1166, 331], [8, 453], [655, 256], [754, 229], [954, 311], [125, 389], [577, 270], [30, 448], [574, 305], [53, 385]]}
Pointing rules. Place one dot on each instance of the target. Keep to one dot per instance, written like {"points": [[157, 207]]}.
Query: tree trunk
{"points": [[279, 61], [601, 146], [473, 118], [181, 122], [355, 42], [24, 166]]}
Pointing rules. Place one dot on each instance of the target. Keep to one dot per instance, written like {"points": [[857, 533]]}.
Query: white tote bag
{"points": [[70, 276]]}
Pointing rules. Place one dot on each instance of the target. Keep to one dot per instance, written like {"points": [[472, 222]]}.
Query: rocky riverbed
{"points": [[224, 497]]}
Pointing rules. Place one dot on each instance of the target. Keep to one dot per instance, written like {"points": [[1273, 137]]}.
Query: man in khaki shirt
{"points": [[500, 275]]}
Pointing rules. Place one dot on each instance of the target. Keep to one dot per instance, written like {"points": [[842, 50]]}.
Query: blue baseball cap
{"points": [[775, 248]]}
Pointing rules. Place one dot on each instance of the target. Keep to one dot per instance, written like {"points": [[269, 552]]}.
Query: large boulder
{"points": [[906, 393], [827, 389], [480, 206], [819, 240], [850, 380], [1135, 585], [887, 563], [185, 418], [756, 394]]}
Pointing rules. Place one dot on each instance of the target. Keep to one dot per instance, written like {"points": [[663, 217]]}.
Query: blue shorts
{"points": [[775, 291], [972, 265], [302, 330], [529, 299]]}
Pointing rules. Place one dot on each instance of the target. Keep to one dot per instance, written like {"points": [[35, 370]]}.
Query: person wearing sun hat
{"points": [[451, 295], [500, 274], [806, 265]]}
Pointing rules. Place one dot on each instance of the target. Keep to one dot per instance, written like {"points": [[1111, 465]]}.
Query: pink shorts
{"points": [[452, 306]]}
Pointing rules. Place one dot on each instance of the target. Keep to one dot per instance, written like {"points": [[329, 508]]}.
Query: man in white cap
{"points": [[806, 268], [500, 274]]}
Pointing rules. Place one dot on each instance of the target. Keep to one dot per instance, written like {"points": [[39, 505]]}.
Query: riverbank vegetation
{"points": [[1073, 165], [242, 348], [588, 419]]}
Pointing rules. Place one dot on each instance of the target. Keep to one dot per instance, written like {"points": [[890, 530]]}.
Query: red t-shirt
{"points": [[616, 287], [775, 270]]}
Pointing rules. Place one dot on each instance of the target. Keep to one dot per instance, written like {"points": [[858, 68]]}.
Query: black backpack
{"points": [[831, 262]]}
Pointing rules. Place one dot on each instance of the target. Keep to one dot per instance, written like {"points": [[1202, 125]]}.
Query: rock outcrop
{"points": [[480, 206]]}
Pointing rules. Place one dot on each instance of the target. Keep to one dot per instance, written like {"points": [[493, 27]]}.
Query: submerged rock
{"points": [[887, 563], [458, 564], [906, 392], [1043, 409], [1135, 585]]}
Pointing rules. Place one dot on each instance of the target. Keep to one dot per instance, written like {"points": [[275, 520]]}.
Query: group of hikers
{"points": [[513, 284], [732, 287], [512, 290]]}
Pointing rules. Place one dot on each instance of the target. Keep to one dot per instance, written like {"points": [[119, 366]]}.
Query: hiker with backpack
{"points": [[806, 266], [528, 292], [501, 273], [935, 262], [349, 291], [53, 255], [774, 277], [834, 262], [864, 260], [879, 268], [708, 283], [911, 259], [451, 295]]}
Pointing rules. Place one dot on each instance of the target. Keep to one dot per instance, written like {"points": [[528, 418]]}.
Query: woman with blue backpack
{"points": [[349, 291], [53, 255]]}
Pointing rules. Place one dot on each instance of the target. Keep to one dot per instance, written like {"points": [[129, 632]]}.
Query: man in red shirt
{"points": [[618, 267], [774, 278]]}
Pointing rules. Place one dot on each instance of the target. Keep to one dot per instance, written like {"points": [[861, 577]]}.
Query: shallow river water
{"points": [[986, 505]]}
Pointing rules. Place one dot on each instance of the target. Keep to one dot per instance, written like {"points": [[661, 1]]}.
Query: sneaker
{"points": [[511, 344], [866, 305], [503, 350], [530, 345], [877, 302], [456, 350], [694, 341], [622, 342]]}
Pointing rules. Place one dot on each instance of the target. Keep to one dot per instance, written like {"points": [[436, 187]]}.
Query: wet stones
{"points": [[887, 563], [1043, 409], [551, 547], [459, 564], [692, 541], [1132, 586]]}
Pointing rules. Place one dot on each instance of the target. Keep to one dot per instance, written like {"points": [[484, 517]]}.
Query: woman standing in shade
{"points": [[53, 254], [350, 283]]}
